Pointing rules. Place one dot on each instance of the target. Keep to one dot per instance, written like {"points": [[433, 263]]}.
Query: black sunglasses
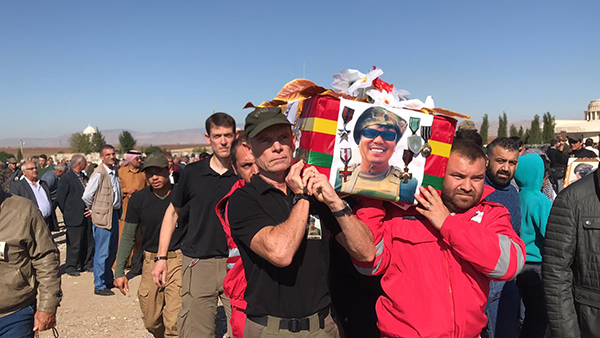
{"points": [[386, 135]]}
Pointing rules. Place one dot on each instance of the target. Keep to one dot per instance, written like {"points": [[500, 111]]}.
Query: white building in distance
{"points": [[590, 127], [89, 130]]}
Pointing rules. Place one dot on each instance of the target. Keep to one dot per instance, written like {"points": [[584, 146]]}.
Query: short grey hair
{"points": [[25, 163], [76, 159], [61, 167]]}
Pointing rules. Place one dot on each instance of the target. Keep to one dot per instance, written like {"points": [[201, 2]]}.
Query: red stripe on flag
{"points": [[324, 107], [436, 165], [443, 129], [319, 142]]}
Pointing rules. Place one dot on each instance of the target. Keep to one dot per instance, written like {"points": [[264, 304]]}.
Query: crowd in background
{"points": [[555, 294]]}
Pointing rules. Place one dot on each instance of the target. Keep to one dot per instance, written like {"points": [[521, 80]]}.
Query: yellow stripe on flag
{"points": [[440, 148], [319, 125]]}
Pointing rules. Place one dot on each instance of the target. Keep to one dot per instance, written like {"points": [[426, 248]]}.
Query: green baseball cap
{"points": [[262, 118], [158, 160], [12, 160]]}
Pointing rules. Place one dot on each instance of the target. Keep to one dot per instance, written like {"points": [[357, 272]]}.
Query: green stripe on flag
{"points": [[434, 181], [320, 159]]}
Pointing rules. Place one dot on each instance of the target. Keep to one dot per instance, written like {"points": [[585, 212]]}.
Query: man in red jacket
{"points": [[438, 258], [235, 282]]}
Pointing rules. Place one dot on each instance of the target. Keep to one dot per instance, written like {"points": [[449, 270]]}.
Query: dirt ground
{"points": [[85, 315]]}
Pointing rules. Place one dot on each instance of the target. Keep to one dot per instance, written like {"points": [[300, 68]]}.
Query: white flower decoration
{"points": [[353, 82], [418, 104], [383, 98]]}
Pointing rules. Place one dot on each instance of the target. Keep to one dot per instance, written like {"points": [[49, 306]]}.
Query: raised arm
{"points": [[278, 244], [489, 243], [355, 237]]}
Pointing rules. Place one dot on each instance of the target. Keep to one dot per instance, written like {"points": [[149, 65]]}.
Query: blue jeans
{"points": [[502, 310], [18, 324], [105, 242]]}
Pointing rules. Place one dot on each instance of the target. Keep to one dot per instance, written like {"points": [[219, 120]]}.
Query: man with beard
{"points": [[503, 303], [438, 258]]}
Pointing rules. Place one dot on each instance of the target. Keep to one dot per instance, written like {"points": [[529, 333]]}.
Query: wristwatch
{"points": [[299, 197], [160, 258], [346, 211]]}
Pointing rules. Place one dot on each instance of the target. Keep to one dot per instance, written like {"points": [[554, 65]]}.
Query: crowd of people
{"points": [[502, 251]]}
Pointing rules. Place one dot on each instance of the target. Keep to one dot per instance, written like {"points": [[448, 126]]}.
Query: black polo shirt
{"points": [[299, 289], [201, 188], [148, 210]]}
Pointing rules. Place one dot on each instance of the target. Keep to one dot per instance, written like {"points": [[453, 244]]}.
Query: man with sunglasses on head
{"points": [[377, 132]]}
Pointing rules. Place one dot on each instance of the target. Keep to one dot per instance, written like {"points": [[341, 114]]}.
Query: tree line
{"points": [[533, 135], [82, 143]]}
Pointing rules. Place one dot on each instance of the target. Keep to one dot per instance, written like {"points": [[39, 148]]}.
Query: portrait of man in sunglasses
{"points": [[377, 133]]}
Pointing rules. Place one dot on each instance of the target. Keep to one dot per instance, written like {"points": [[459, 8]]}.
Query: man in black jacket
{"points": [[578, 151], [559, 158], [80, 240], [35, 190], [571, 263]]}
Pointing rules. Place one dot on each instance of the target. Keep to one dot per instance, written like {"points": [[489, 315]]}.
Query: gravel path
{"points": [[85, 315]]}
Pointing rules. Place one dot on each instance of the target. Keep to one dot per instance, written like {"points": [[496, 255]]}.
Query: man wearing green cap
{"points": [[377, 132], [146, 208], [10, 173], [204, 246], [286, 261]]}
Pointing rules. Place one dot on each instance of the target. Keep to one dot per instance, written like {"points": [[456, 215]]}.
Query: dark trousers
{"points": [[80, 246], [531, 289]]}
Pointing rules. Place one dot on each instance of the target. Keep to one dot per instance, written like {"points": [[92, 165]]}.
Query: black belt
{"points": [[293, 324]]}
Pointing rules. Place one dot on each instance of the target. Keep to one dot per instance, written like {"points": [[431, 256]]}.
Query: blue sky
{"points": [[164, 65]]}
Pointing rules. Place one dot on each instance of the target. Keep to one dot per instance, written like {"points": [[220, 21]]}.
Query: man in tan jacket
{"points": [[102, 196], [29, 265]]}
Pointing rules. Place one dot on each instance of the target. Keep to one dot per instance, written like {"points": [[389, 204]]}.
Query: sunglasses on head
{"points": [[386, 135]]}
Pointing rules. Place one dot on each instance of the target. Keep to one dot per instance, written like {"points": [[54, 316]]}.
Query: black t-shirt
{"points": [[583, 153], [201, 188], [557, 158], [299, 289], [148, 210]]}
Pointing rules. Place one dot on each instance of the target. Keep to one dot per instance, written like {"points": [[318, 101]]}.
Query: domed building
{"points": [[593, 112], [89, 130], [589, 127]]}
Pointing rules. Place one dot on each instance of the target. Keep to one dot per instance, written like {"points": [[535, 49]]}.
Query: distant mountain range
{"points": [[174, 137], [183, 136]]}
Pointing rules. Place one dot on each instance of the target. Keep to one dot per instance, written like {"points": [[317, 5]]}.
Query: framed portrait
{"points": [[371, 150], [382, 153], [579, 168]]}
